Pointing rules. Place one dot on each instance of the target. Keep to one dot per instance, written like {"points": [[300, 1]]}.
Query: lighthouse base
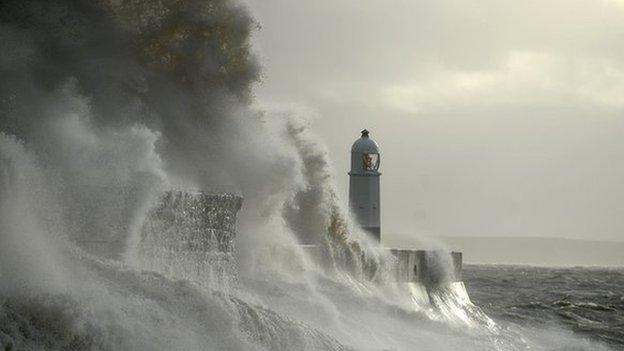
{"points": [[374, 232], [429, 267]]}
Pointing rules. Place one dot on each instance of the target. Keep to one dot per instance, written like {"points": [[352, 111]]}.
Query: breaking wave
{"points": [[106, 106]]}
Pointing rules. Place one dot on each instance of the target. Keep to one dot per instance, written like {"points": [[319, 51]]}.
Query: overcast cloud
{"points": [[494, 117]]}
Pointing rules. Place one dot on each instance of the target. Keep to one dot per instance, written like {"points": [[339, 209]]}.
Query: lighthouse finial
{"points": [[365, 133]]}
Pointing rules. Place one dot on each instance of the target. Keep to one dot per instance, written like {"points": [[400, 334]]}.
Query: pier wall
{"points": [[190, 234]]}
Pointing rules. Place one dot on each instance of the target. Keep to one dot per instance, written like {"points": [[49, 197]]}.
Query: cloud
{"points": [[524, 78], [512, 109]]}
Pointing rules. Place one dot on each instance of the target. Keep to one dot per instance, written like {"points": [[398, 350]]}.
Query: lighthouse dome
{"points": [[365, 156], [365, 145]]}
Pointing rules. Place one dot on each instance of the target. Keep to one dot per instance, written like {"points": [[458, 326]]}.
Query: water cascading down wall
{"points": [[190, 234]]}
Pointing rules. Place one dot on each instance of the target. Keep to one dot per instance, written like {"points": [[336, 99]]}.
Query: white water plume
{"points": [[105, 105], [27, 249]]}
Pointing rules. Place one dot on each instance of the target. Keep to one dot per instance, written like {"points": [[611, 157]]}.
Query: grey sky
{"points": [[495, 117]]}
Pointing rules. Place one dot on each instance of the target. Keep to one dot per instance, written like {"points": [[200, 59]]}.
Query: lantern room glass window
{"points": [[370, 162]]}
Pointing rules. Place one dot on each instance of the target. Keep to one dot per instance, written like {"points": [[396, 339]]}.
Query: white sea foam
{"points": [[105, 105]]}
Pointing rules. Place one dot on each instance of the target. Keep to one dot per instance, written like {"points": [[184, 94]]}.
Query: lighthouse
{"points": [[364, 184]]}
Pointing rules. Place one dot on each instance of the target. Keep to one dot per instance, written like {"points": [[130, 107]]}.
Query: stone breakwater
{"points": [[190, 234]]}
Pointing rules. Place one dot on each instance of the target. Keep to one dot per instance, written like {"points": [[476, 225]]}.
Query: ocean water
{"points": [[105, 105], [54, 295], [587, 302]]}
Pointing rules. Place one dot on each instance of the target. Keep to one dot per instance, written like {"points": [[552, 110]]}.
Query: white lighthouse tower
{"points": [[364, 184]]}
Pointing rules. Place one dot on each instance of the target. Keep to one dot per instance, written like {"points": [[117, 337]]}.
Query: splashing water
{"points": [[106, 105]]}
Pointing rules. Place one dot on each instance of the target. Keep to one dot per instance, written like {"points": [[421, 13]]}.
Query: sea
{"points": [[106, 105], [586, 302]]}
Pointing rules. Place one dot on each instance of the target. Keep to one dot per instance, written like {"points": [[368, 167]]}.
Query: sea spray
{"points": [[316, 214], [190, 235], [29, 251], [91, 74], [57, 296], [104, 105]]}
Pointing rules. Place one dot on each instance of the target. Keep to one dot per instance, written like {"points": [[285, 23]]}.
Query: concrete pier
{"points": [[190, 234]]}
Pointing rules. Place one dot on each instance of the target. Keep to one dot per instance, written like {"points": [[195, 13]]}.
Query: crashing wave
{"points": [[190, 235]]}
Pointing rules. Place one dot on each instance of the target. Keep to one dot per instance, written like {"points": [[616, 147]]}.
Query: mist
{"points": [[105, 106]]}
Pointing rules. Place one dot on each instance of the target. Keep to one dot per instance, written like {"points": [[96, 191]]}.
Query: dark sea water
{"points": [[586, 301]]}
